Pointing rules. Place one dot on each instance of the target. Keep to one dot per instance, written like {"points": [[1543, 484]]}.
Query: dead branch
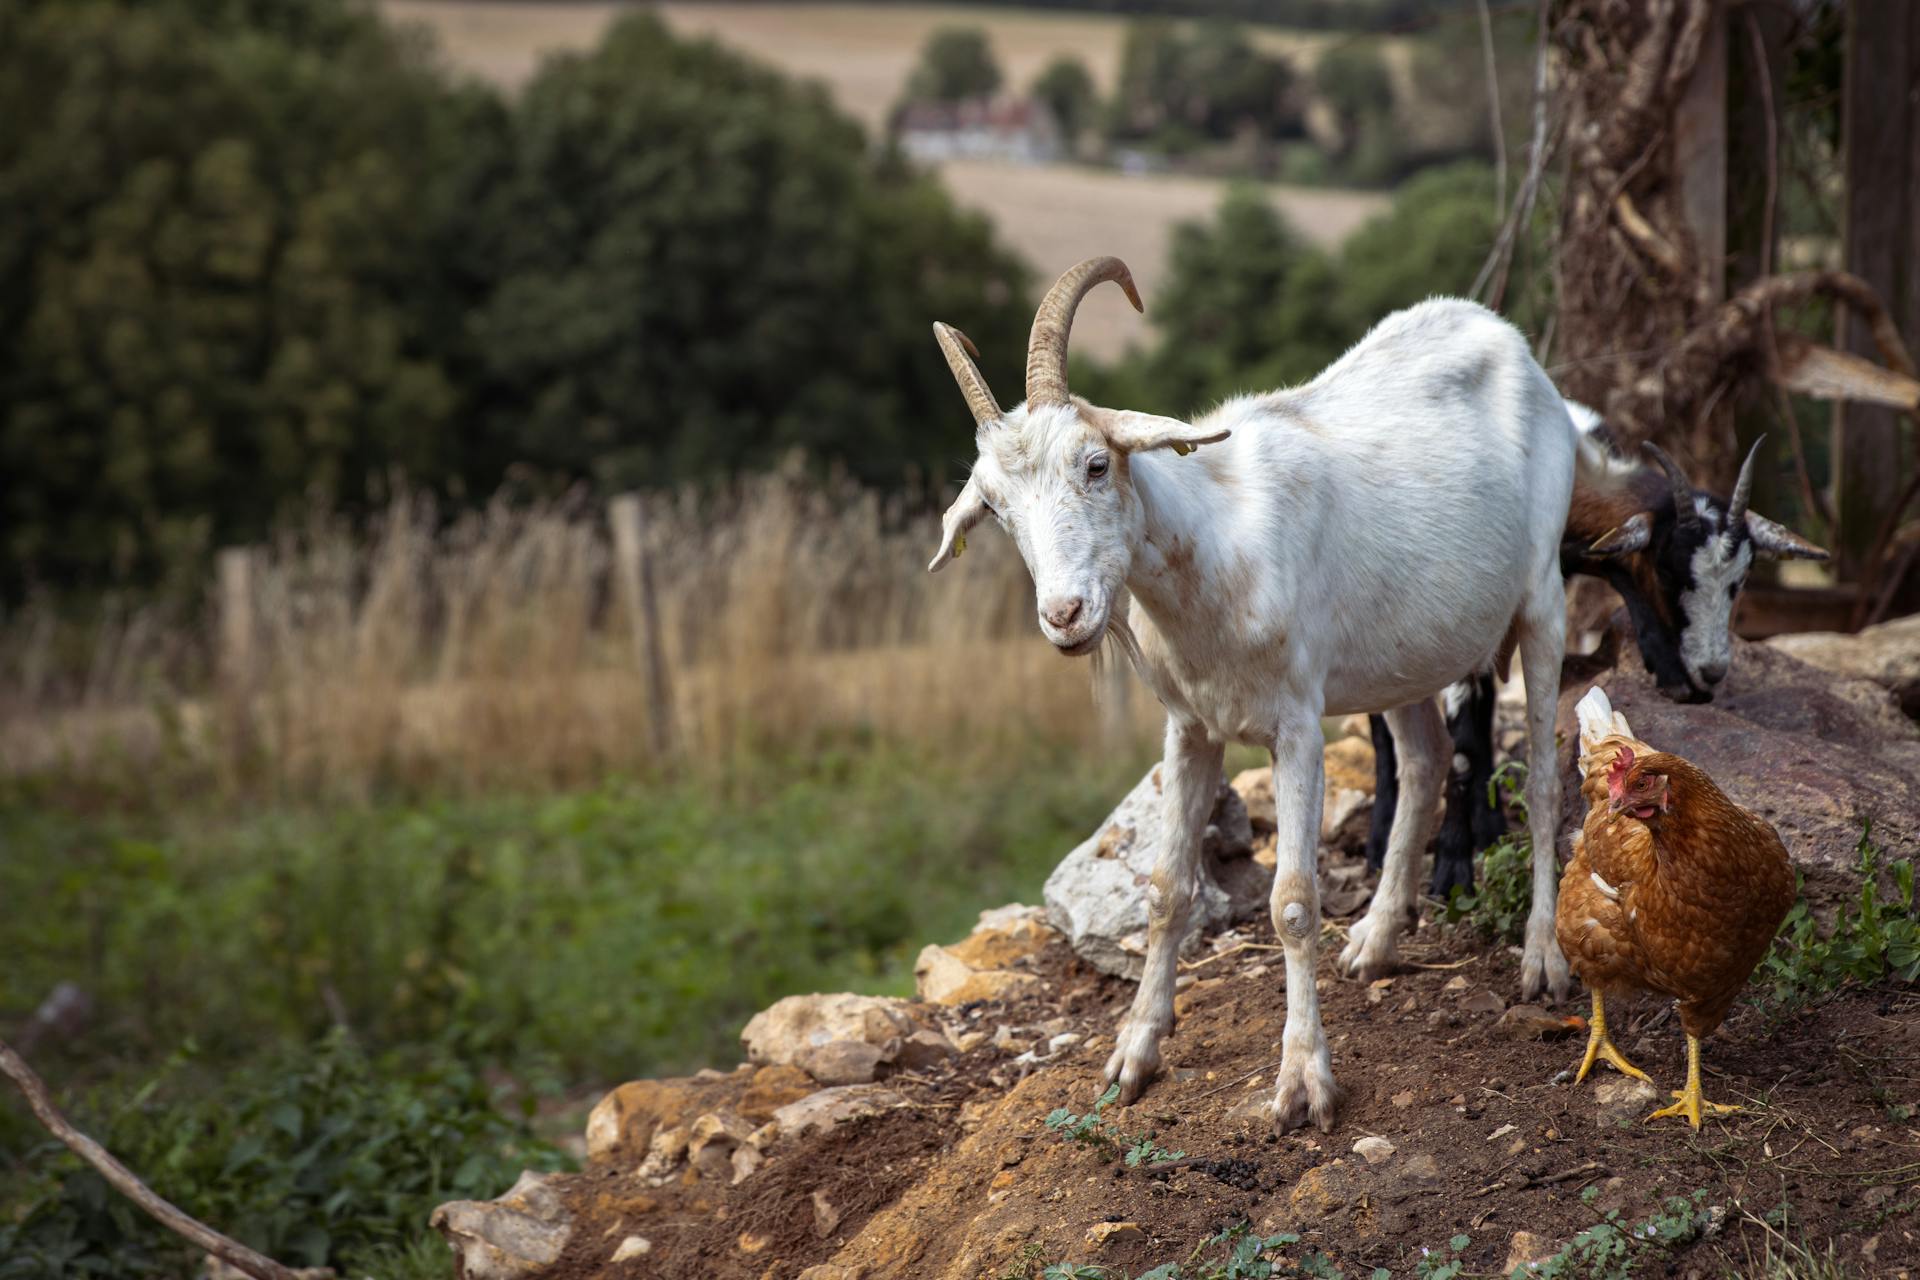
{"points": [[1493, 107], [123, 1180], [1501, 258]]}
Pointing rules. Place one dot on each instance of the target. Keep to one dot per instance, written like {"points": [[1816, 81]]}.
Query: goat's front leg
{"points": [[1189, 779], [1304, 1088], [1543, 967], [1420, 740]]}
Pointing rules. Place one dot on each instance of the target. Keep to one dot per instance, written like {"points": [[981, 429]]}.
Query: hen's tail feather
{"points": [[1598, 720]]}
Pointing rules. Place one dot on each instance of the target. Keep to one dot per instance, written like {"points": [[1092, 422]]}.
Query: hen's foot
{"points": [[1600, 1048], [1691, 1104]]}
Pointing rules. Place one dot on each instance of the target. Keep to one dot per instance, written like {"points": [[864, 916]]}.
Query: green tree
{"points": [[701, 265], [1354, 81], [1247, 306], [1176, 86], [1066, 86], [955, 64], [224, 277]]}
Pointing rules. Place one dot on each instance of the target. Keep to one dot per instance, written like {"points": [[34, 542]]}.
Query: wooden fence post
{"points": [[635, 567]]}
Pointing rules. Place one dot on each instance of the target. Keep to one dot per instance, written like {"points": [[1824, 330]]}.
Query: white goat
{"points": [[1354, 544]]}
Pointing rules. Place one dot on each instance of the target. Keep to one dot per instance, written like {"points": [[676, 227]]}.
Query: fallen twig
{"points": [[123, 1180]]}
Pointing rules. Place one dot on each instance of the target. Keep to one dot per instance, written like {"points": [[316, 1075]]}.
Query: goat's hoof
{"points": [[1135, 1061], [1372, 951], [1305, 1091], [1543, 970]]}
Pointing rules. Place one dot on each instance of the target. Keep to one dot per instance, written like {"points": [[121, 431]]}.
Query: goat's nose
{"points": [[1713, 672], [1060, 611]]}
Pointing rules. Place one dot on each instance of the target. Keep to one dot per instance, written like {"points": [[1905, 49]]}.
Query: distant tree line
{"points": [[1211, 96], [260, 254], [1377, 16]]}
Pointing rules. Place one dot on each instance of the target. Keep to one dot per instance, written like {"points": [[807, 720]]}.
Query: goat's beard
{"points": [[1118, 646]]}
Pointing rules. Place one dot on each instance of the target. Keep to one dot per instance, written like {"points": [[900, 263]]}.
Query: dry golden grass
{"points": [[501, 650]]}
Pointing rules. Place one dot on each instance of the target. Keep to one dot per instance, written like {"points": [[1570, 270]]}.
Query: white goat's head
{"points": [[1054, 470]]}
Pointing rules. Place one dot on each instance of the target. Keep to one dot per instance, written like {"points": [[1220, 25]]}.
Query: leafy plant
{"points": [[1434, 1265], [1502, 896], [319, 1157], [1870, 940], [1092, 1130]]}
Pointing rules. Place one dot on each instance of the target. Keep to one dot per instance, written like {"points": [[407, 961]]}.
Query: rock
{"points": [[632, 1247], [626, 1119], [1622, 1099], [1815, 754], [781, 1033], [941, 976], [746, 1162], [722, 1129], [832, 1271], [1097, 895], [1525, 1248], [845, 1061], [1005, 936], [923, 1049], [753, 1242], [1349, 765], [515, 1235], [1887, 654], [1482, 1001], [1403, 1099], [968, 1041], [825, 1217], [1374, 1150], [830, 1107], [772, 1088], [664, 1154], [1531, 1022], [1421, 1167], [1105, 1233], [1348, 789]]}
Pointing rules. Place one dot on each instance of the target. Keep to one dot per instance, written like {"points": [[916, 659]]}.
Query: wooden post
{"points": [[635, 567], [1881, 139], [1756, 88], [236, 621]]}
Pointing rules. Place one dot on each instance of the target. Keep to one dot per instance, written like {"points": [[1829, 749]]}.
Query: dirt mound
{"points": [[960, 1177]]}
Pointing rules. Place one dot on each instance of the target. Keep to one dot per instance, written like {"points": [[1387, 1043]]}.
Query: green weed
{"points": [[1868, 941], [1502, 895], [1094, 1131]]}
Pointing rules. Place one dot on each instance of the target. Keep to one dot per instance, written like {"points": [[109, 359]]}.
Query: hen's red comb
{"points": [[1621, 763]]}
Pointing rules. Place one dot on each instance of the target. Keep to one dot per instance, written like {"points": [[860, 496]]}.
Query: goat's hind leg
{"points": [[1189, 777], [1421, 743], [1543, 627], [1385, 791]]}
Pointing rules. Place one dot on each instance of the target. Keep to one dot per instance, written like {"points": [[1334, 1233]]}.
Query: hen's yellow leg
{"points": [[1600, 1046], [1691, 1104]]}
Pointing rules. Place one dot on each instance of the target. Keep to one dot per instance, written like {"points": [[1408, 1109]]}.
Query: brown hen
{"points": [[1672, 888]]}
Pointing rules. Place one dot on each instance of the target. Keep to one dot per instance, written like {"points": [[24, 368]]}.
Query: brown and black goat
{"points": [[1678, 557]]}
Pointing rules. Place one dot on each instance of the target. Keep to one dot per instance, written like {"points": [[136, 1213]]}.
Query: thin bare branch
{"points": [[1493, 109], [123, 1180]]}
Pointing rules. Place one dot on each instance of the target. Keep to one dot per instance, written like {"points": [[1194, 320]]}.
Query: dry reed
{"points": [[500, 649]]}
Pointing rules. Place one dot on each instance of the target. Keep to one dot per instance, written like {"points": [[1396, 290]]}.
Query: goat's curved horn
{"points": [[1684, 513], [1047, 346], [1743, 487], [973, 386]]}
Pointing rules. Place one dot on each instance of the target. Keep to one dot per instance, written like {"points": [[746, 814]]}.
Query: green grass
{"points": [[259, 973], [620, 931]]}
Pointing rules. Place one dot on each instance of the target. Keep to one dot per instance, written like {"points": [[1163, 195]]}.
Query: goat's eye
{"points": [[1096, 466]]}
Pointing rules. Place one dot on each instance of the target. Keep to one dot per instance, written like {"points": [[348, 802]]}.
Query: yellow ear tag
{"points": [[959, 544], [1182, 448]]}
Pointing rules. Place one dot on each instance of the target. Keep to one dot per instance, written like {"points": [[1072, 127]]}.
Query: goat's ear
{"points": [[1131, 432], [1630, 535], [968, 510], [1777, 542]]}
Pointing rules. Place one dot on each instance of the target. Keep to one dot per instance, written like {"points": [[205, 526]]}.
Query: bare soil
{"points": [[966, 1181]]}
